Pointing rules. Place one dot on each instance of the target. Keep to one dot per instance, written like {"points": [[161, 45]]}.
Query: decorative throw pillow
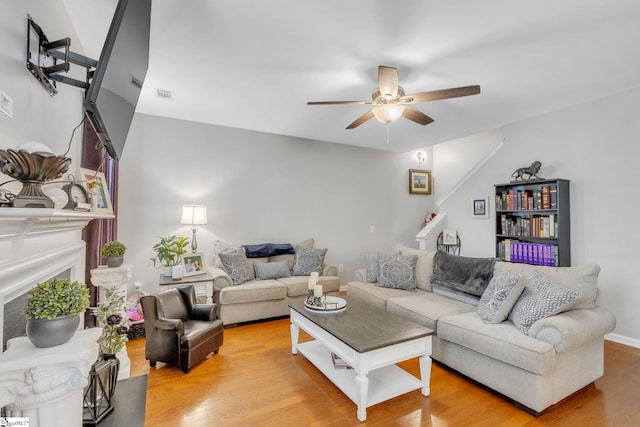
{"points": [[465, 274], [372, 268], [308, 260], [500, 296], [218, 248], [291, 257], [236, 265], [397, 271], [272, 270], [541, 298], [424, 265], [373, 271]]}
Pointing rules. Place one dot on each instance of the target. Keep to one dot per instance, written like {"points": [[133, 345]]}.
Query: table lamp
{"points": [[194, 215]]}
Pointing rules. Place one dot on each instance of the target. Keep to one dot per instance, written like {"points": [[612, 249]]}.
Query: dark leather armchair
{"points": [[179, 331]]}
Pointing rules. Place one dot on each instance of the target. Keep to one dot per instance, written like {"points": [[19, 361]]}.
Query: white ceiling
{"points": [[254, 64]]}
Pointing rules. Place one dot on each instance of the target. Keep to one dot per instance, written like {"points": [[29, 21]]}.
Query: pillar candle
{"points": [[317, 291], [310, 283]]}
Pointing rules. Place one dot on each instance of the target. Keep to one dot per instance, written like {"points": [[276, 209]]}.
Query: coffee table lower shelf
{"points": [[384, 383]]}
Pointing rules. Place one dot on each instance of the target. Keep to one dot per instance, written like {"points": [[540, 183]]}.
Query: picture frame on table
{"points": [[419, 181], [480, 207], [193, 264], [449, 237], [96, 185]]}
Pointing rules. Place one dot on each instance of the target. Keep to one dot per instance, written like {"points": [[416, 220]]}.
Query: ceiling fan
{"points": [[390, 102]]}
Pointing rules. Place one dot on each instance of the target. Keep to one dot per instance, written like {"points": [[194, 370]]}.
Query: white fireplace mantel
{"points": [[36, 244], [46, 385]]}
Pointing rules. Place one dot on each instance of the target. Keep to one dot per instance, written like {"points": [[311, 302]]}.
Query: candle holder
{"points": [[310, 297]]}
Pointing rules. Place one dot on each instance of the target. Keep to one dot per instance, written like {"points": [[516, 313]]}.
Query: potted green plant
{"points": [[113, 253], [111, 316], [53, 309], [168, 252]]}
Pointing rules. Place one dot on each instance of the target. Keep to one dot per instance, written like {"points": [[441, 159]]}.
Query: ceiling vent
{"points": [[165, 94]]}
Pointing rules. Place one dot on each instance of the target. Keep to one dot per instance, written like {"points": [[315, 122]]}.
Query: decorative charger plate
{"points": [[330, 304]]}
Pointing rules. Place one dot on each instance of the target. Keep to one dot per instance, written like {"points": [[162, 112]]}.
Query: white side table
{"points": [[202, 282], [119, 278]]}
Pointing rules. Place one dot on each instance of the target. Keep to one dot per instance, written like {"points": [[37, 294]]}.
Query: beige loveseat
{"points": [[557, 356], [269, 288]]}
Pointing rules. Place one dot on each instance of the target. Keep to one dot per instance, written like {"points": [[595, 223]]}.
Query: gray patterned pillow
{"points": [[500, 296], [236, 265], [308, 260], [541, 298], [397, 271], [272, 270]]}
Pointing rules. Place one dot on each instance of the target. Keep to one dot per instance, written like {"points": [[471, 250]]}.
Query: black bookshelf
{"points": [[533, 222]]}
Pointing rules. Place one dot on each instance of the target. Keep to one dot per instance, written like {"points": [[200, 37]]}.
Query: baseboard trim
{"points": [[621, 339]]}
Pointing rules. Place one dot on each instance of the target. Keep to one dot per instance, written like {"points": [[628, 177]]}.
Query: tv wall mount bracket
{"points": [[47, 69]]}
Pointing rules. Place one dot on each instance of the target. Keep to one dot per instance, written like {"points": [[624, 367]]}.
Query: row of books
{"points": [[513, 199], [528, 253], [538, 226]]}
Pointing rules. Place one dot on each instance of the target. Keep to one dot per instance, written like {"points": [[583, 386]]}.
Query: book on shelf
{"points": [[338, 362], [528, 253]]}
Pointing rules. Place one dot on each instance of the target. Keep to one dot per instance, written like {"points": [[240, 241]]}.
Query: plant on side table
{"points": [[111, 316], [113, 253], [168, 252], [53, 311]]}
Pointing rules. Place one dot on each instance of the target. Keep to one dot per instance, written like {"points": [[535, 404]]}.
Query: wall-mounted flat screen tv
{"points": [[113, 94]]}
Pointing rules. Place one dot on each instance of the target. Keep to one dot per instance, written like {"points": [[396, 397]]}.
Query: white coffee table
{"points": [[370, 340]]}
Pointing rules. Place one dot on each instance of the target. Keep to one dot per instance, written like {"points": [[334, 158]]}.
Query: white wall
{"points": [[37, 116], [595, 146], [262, 188]]}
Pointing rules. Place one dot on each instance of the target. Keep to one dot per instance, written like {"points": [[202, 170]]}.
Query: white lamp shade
{"points": [[387, 113], [194, 214]]}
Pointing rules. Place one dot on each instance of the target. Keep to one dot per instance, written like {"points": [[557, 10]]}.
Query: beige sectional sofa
{"points": [[266, 295], [557, 356]]}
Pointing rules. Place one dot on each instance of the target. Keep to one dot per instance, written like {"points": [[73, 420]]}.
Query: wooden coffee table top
{"points": [[364, 327]]}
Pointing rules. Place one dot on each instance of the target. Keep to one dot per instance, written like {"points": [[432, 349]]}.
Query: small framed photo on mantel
{"points": [[419, 181]]}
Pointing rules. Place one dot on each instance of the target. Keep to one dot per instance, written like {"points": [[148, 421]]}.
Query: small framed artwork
{"points": [[480, 207], [419, 181], [98, 190], [193, 263], [449, 237]]}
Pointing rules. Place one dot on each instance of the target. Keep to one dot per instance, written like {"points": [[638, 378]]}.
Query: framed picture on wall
{"points": [[480, 207], [98, 190], [419, 181], [193, 263]]}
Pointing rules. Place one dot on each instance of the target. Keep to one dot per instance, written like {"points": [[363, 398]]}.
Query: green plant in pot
{"points": [[111, 316], [168, 252], [113, 253], [53, 311]]}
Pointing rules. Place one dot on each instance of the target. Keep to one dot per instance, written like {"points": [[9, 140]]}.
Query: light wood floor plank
{"points": [[256, 381]]}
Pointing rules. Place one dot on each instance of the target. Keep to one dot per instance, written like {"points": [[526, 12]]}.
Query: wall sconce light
{"points": [[420, 157], [194, 215]]}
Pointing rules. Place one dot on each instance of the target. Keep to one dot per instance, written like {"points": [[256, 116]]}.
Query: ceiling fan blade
{"points": [[338, 102], [388, 81], [435, 95], [360, 120], [416, 116]]}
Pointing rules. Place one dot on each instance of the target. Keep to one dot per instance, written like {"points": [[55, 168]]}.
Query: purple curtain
{"points": [[99, 231]]}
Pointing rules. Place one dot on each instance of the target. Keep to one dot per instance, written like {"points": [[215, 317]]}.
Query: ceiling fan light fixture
{"points": [[388, 113]]}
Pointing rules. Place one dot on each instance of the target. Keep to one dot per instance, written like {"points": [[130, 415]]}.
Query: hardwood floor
{"points": [[256, 381]]}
